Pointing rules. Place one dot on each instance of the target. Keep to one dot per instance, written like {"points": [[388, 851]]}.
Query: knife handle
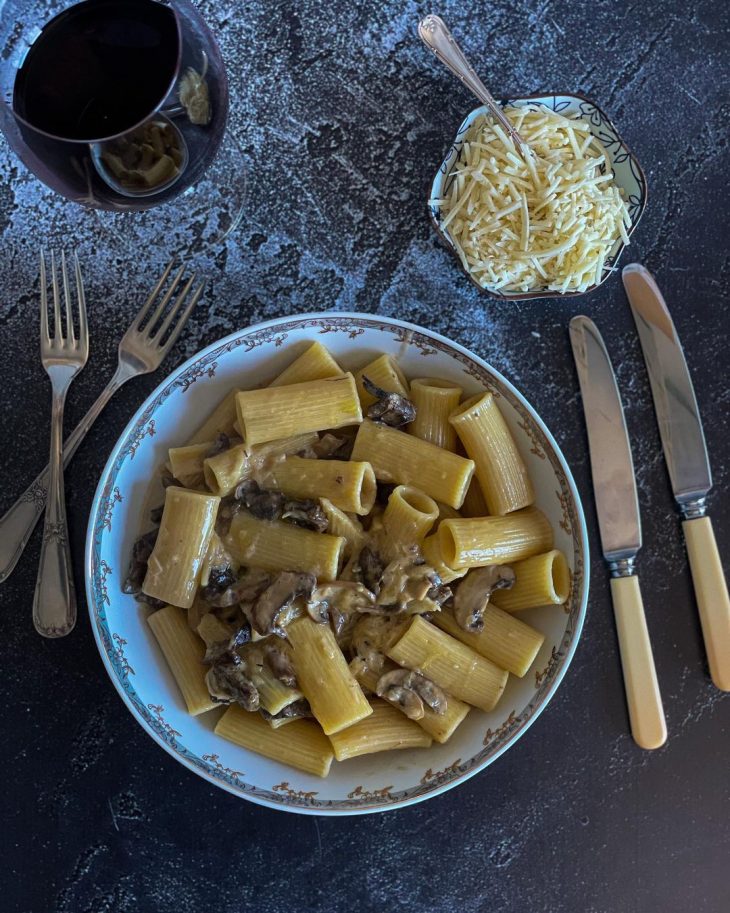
{"points": [[712, 597], [646, 713]]}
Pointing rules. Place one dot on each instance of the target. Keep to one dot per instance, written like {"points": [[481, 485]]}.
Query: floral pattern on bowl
{"points": [[629, 177], [132, 658]]}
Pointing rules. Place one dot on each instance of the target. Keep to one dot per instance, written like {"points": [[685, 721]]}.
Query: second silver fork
{"points": [[141, 351]]}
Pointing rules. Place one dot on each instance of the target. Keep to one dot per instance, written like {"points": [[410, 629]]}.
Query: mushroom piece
{"points": [[268, 609], [369, 569], [410, 691], [332, 447], [298, 710], [281, 666], [156, 514], [141, 551], [221, 640], [373, 636], [406, 586], [262, 503], [390, 408], [472, 594], [246, 588], [307, 514], [228, 683], [339, 602]]}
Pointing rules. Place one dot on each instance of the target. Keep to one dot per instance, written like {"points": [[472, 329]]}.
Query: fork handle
{"points": [[20, 520], [54, 601]]}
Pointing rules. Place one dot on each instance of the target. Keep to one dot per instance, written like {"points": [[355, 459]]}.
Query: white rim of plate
{"points": [[438, 788]]}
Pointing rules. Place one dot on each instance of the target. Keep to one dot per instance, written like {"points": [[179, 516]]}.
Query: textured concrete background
{"points": [[343, 117]]}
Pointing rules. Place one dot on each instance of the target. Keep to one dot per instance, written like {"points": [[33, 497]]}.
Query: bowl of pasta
{"points": [[336, 564]]}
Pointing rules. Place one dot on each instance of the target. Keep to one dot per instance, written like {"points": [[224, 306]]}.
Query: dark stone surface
{"points": [[343, 118]]}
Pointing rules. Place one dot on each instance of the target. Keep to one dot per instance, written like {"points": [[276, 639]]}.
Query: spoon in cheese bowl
{"points": [[438, 39]]}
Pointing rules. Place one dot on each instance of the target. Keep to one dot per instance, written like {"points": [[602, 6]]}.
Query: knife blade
{"points": [[685, 454], [619, 524]]}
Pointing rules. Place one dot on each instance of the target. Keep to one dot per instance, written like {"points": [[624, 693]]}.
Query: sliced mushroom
{"points": [[268, 609], [246, 588], [409, 691], [298, 710], [374, 635], [307, 514], [332, 447], [141, 551], [390, 408], [405, 587], [228, 683], [279, 662], [167, 478], [339, 602], [221, 443], [369, 569], [262, 503], [473, 593]]}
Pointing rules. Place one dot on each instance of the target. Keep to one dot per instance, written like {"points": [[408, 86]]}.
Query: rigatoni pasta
{"points": [[407, 460], [173, 568], [540, 580], [296, 577], [435, 399], [481, 541], [499, 468], [315, 363], [315, 405]]}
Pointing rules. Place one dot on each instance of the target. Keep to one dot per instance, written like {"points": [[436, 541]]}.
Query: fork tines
{"points": [[165, 323], [59, 337]]}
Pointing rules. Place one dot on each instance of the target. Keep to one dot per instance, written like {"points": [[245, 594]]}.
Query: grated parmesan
{"points": [[545, 224]]}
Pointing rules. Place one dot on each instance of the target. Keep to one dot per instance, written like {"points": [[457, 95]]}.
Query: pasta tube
{"points": [[324, 677], [540, 580], [349, 485], [186, 463], [385, 373], [450, 664], [500, 469], [225, 470], [174, 567], [481, 541], [505, 640], [407, 460], [384, 730], [220, 421], [315, 363], [315, 405], [440, 726], [431, 550], [407, 519], [278, 546], [340, 524], [301, 744], [184, 651], [435, 400]]}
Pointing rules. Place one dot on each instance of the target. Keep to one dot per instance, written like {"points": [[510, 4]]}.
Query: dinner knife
{"points": [[617, 507], [685, 454]]}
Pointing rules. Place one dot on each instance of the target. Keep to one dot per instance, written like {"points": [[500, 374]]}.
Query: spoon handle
{"points": [[437, 38]]}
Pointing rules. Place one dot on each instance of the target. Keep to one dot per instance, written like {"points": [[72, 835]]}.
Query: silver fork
{"points": [[54, 602], [141, 351]]}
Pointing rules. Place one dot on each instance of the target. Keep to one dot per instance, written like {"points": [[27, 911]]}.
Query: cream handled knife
{"points": [[686, 457], [620, 528]]}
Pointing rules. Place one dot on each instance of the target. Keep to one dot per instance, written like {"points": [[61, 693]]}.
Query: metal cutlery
{"points": [[620, 527], [685, 454], [438, 39], [141, 350], [62, 356]]}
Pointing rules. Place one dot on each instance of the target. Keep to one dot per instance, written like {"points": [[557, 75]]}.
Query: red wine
{"points": [[98, 68]]}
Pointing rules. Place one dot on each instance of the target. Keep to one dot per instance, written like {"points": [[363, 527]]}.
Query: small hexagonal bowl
{"points": [[629, 177]]}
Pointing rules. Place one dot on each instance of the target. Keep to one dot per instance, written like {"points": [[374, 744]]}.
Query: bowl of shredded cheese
{"points": [[548, 225]]}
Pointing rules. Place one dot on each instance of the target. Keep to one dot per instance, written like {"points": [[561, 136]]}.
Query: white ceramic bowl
{"points": [[375, 782], [629, 177]]}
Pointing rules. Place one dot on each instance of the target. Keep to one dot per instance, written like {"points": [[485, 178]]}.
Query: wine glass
{"points": [[119, 105]]}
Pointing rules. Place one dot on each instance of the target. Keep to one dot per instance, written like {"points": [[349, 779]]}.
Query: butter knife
{"points": [[685, 454], [617, 507]]}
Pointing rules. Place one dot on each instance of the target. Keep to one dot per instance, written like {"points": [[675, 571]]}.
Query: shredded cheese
{"points": [[545, 224]]}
